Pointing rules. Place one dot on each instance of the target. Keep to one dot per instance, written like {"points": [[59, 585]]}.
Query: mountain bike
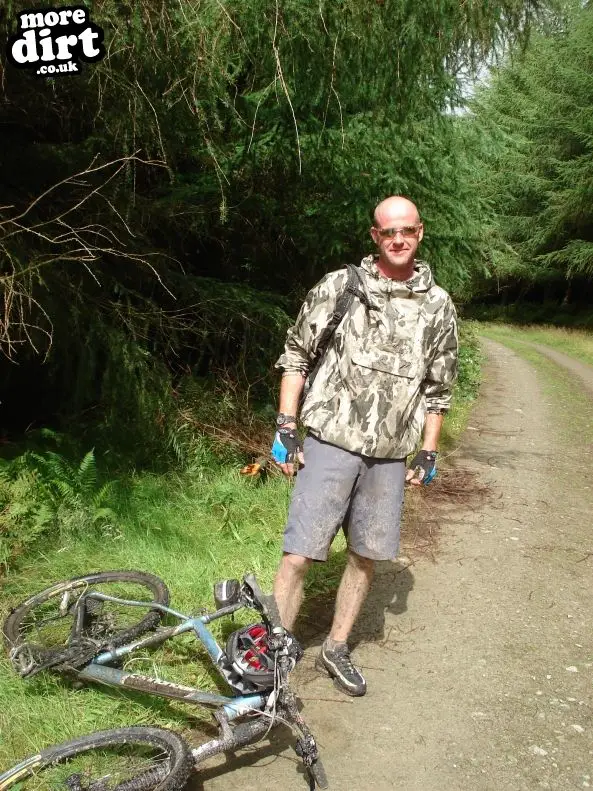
{"points": [[85, 627]]}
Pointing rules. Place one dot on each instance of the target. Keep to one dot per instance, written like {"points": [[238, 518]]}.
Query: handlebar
{"points": [[289, 653], [266, 603]]}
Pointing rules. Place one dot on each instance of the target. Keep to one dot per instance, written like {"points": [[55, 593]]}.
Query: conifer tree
{"points": [[538, 116]]}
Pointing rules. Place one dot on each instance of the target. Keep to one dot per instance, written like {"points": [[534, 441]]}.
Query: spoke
{"points": [[102, 770]]}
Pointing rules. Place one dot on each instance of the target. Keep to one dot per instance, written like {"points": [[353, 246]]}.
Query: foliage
{"points": [[162, 214], [227, 127], [470, 359], [44, 493], [539, 164]]}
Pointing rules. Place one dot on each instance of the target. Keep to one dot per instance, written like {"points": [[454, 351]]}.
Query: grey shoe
{"points": [[339, 666]]}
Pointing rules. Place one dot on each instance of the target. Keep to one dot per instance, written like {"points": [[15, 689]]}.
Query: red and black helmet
{"points": [[248, 651]]}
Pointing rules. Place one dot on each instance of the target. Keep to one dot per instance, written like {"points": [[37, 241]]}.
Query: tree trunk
{"points": [[567, 294]]}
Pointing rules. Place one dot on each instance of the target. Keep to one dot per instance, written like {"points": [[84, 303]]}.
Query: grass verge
{"points": [[560, 386], [575, 343]]}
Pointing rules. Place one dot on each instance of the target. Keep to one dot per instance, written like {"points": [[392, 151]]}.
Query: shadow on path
{"points": [[389, 593]]}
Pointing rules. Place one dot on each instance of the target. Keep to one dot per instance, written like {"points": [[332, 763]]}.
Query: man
{"points": [[385, 380]]}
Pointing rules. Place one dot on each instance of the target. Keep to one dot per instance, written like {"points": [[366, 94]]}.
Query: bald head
{"points": [[395, 210], [397, 232]]}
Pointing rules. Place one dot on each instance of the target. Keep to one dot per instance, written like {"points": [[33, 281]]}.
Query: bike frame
{"points": [[98, 669], [271, 705]]}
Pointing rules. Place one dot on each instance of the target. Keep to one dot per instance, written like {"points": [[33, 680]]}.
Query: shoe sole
{"points": [[323, 668]]}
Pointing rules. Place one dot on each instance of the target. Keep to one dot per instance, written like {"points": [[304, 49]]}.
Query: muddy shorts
{"points": [[337, 488]]}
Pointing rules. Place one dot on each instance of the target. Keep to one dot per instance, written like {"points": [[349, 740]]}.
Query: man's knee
{"points": [[295, 564], [366, 564]]}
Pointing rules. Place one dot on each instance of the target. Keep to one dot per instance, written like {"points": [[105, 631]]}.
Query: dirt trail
{"points": [[581, 370], [479, 666]]}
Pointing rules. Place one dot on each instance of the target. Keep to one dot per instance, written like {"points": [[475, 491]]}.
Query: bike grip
{"points": [[273, 612], [318, 773]]}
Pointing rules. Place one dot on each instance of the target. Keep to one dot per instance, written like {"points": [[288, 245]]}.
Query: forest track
{"points": [[480, 665]]}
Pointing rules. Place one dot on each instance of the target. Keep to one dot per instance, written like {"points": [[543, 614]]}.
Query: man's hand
{"points": [[423, 468], [287, 450]]}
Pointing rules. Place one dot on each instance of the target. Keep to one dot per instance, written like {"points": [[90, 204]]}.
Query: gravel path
{"points": [[479, 666]]}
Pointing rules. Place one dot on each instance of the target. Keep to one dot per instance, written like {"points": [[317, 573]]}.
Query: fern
{"points": [[87, 476], [104, 494], [43, 493]]}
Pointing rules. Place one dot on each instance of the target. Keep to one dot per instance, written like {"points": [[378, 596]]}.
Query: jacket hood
{"points": [[420, 282]]}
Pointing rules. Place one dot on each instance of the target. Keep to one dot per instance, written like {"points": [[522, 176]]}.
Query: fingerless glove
{"points": [[424, 465], [286, 446]]}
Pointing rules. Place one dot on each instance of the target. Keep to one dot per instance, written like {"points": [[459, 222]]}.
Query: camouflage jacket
{"points": [[384, 367]]}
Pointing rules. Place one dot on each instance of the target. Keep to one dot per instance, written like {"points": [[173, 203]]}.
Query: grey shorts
{"points": [[338, 488]]}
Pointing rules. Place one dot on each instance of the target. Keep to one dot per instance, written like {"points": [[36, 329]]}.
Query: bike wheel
{"points": [[43, 623], [125, 759]]}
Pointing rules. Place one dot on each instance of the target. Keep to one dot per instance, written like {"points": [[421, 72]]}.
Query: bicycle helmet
{"points": [[248, 652]]}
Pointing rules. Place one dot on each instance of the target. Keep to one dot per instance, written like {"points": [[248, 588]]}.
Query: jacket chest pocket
{"points": [[399, 361]]}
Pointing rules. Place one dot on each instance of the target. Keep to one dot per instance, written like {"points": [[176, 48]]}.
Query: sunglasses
{"points": [[407, 231]]}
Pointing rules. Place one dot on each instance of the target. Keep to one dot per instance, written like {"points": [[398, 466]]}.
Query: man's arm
{"points": [[442, 371], [291, 387], [432, 431], [303, 338], [300, 350], [438, 387]]}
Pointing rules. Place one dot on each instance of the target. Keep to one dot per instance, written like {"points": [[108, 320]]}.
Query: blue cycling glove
{"points": [[287, 446], [424, 465]]}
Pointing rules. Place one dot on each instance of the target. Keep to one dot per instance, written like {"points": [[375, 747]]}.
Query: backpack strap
{"points": [[354, 288]]}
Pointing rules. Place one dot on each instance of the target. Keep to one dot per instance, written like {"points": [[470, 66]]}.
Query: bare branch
{"points": [[284, 85], [55, 237]]}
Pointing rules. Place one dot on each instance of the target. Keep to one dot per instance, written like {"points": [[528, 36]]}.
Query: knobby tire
{"points": [[170, 771], [17, 632]]}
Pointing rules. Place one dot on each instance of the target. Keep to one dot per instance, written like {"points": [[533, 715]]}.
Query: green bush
{"points": [[526, 313], [470, 358], [44, 494]]}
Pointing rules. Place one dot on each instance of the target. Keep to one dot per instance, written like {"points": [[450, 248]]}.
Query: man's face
{"points": [[397, 233]]}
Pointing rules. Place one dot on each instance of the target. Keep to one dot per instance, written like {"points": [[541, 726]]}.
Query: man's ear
{"points": [[420, 233], [374, 235]]}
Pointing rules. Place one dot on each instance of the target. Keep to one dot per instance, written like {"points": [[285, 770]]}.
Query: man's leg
{"points": [[289, 585], [318, 506], [354, 587], [334, 657], [372, 525]]}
